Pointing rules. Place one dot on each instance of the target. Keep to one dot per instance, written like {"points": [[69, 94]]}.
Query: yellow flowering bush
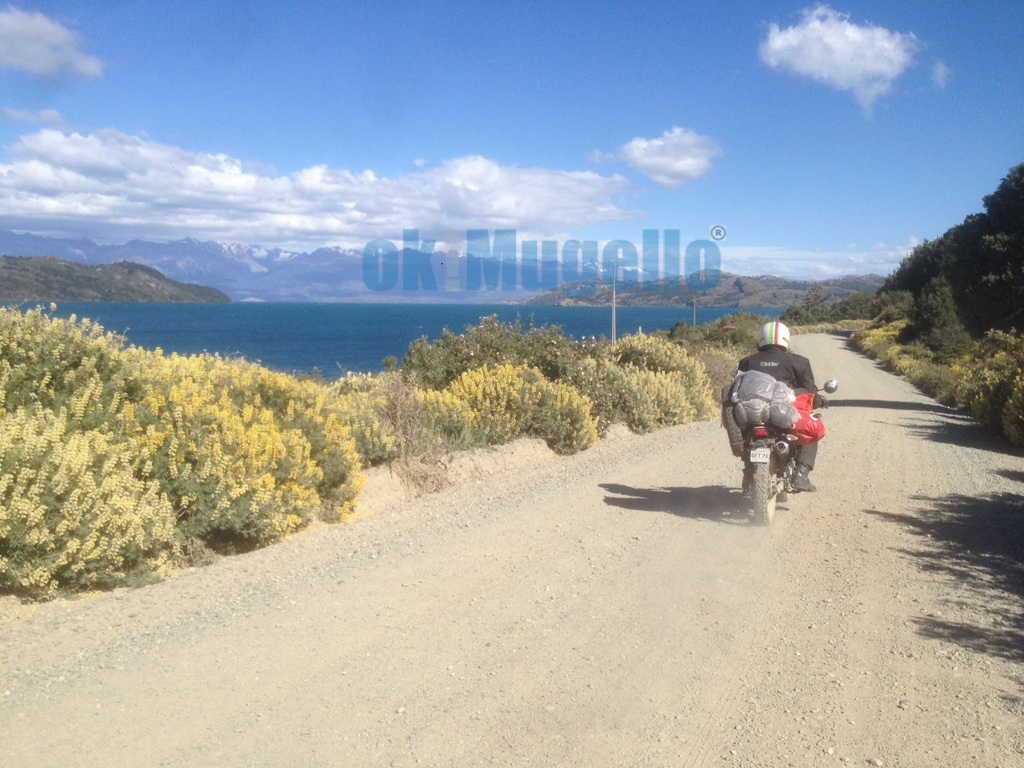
{"points": [[989, 381], [72, 510], [390, 418], [115, 460], [659, 355], [1013, 413], [509, 401], [662, 399], [986, 379], [246, 455], [375, 441], [652, 353], [876, 341], [448, 417], [55, 363]]}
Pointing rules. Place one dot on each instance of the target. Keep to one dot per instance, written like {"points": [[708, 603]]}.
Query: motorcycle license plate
{"points": [[760, 455]]}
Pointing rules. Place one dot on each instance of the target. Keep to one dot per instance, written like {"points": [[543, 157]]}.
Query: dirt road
{"points": [[611, 609]]}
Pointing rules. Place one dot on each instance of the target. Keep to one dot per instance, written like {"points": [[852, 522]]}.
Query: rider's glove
{"points": [[820, 401]]}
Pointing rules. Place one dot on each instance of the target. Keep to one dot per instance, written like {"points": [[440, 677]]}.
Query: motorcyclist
{"points": [[775, 359]]}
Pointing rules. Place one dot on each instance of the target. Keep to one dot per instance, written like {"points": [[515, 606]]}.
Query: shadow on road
{"points": [[979, 542], [957, 428], [1009, 474], [960, 430], [892, 405], [709, 502]]}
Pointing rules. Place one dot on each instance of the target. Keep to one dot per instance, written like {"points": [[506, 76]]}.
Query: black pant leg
{"points": [[807, 454]]}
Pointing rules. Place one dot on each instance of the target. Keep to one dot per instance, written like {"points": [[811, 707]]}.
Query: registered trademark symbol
{"points": [[718, 232]]}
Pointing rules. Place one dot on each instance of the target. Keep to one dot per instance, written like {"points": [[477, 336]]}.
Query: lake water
{"points": [[334, 338]]}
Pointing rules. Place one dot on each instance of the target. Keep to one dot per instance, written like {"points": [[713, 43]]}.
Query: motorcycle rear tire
{"points": [[762, 493]]}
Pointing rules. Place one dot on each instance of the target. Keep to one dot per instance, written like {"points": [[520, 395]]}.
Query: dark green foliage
{"points": [[936, 323], [892, 306], [735, 332], [981, 260], [434, 365], [816, 308]]}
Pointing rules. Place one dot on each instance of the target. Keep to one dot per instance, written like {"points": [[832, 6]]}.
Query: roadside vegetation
{"points": [[951, 317], [118, 465]]}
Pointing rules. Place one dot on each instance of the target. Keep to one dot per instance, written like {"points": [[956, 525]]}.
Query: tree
{"points": [[936, 323]]}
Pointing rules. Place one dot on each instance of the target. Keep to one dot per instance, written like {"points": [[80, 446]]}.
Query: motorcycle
{"points": [[770, 454]]}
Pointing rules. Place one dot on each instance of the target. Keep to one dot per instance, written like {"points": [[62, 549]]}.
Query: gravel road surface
{"points": [[615, 608]]}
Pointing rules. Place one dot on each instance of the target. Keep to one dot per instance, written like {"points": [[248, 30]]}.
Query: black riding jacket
{"points": [[782, 365]]}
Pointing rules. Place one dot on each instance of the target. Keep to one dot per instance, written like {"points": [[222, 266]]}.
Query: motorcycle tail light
{"points": [[760, 432]]}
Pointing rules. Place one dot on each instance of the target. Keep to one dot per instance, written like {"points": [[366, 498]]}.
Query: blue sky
{"points": [[826, 139]]}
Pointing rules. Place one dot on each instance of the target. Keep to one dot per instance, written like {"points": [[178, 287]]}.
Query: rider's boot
{"points": [[802, 482]]}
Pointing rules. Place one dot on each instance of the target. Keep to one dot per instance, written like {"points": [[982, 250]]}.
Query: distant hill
{"points": [[50, 279], [732, 291]]}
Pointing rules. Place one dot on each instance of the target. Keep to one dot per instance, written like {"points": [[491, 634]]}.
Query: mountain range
{"points": [[242, 272], [255, 273]]}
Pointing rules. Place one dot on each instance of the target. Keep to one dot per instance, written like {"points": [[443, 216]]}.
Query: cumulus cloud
{"points": [[827, 47], [111, 185], [34, 43], [676, 157]]}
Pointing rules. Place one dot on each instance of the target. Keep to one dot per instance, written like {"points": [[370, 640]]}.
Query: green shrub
{"points": [[609, 389], [434, 365], [720, 366], [390, 418], [737, 332]]}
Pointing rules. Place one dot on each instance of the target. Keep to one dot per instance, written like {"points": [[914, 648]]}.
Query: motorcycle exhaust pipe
{"points": [[782, 447]]}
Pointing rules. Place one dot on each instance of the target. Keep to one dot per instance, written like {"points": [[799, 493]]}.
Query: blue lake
{"points": [[334, 338]]}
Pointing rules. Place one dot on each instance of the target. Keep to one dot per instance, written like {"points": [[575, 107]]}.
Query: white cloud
{"points": [[33, 43], [828, 48], [811, 264], [940, 75], [676, 157], [50, 117], [111, 185]]}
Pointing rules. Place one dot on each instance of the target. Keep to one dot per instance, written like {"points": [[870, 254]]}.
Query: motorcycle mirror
{"points": [[831, 386]]}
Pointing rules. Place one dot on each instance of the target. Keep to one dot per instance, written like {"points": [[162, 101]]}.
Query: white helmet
{"points": [[773, 333]]}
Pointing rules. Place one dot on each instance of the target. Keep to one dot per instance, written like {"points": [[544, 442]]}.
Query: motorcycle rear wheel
{"points": [[763, 495]]}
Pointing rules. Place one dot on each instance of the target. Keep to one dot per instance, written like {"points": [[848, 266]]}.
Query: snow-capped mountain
{"points": [[242, 271]]}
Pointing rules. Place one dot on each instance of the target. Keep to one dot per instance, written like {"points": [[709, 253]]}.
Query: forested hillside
{"points": [[972, 277], [50, 279]]}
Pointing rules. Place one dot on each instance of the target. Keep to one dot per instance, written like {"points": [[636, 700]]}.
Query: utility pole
{"points": [[615, 279]]}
